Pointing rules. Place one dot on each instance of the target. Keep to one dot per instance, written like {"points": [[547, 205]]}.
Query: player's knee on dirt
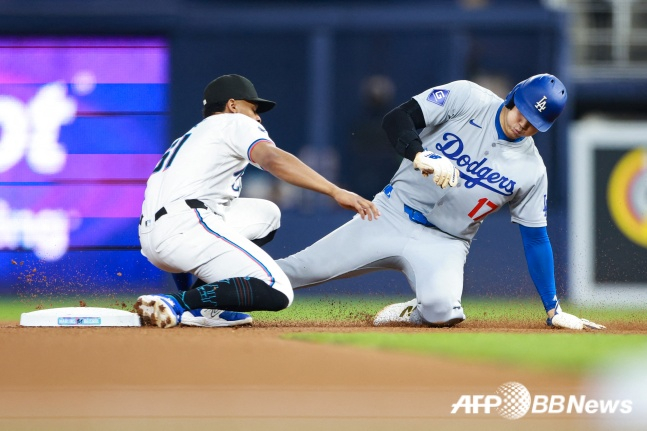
{"points": [[441, 312]]}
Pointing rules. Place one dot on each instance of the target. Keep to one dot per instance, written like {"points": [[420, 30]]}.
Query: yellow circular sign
{"points": [[627, 195]]}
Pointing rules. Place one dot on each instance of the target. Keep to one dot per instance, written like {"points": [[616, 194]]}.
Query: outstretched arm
{"points": [[539, 256], [291, 169]]}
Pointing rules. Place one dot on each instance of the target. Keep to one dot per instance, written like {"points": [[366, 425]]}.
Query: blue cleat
{"points": [[161, 310], [211, 318]]}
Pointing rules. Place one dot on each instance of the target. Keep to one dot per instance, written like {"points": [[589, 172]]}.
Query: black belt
{"points": [[191, 203]]}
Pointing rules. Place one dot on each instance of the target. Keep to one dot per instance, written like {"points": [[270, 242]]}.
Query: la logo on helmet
{"points": [[541, 105]]}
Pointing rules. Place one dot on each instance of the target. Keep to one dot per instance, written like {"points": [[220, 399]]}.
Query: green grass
{"points": [[568, 353], [348, 310], [552, 350], [555, 351], [354, 308], [344, 309]]}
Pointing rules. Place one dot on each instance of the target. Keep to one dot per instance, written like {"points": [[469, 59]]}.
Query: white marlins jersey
{"points": [[207, 163], [463, 125]]}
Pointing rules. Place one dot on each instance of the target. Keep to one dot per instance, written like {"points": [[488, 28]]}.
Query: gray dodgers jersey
{"points": [[462, 122]]}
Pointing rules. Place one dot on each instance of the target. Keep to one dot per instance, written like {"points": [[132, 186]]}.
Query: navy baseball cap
{"points": [[540, 98], [234, 87]]}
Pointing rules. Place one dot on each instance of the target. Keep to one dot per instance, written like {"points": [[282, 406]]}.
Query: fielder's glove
{"points": [[569, 321], [445, 174]]}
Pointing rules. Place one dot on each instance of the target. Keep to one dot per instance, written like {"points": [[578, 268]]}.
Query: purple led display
{"points": [[83, 122]]}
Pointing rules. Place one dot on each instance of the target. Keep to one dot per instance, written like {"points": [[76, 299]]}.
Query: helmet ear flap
{"points": [[510, 103], [509, 100]]}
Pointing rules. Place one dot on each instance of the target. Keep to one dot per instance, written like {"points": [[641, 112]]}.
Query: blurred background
{"points": [[93, 92]]}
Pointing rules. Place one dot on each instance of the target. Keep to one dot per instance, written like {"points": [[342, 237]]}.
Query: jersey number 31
{"points": [[170, 154]]}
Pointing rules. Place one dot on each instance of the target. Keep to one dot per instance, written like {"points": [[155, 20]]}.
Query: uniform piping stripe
{"points": [[236, 289], [251, 147], [244, 295], [211, 231], [241, 300], [248, 290]]}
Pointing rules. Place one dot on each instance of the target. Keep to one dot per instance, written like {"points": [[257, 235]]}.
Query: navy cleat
{"points": [[211, 318]]}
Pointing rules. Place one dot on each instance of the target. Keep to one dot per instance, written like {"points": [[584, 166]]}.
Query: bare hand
{"points": [[352, 201]]}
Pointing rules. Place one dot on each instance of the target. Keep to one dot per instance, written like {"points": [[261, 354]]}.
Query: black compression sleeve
{"points": [[234, 294], [400, 126]]}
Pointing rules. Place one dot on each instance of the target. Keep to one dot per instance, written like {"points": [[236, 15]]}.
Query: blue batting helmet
{"points": [[540, 98]]}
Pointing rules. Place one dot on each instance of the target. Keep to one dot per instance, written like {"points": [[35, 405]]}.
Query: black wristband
{"points": [[410, 144]]}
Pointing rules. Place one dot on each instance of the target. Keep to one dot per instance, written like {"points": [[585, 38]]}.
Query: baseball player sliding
{"points": [[193, 220], [479, 154]]}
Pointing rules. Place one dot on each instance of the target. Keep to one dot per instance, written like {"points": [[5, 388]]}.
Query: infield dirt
{"points": [[247, 378]]}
